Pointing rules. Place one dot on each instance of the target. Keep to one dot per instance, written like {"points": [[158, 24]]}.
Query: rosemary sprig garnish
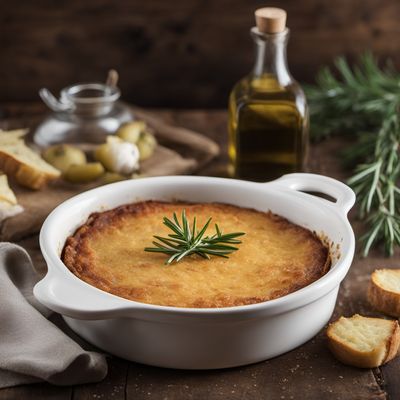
{"points": [[186, 240], [364, 101]]}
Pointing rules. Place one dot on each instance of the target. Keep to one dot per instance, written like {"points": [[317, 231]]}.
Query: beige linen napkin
{"points": [[32, 349]]}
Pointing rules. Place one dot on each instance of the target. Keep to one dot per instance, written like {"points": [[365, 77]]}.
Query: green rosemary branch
{"points": [[364, 101], [186, 240]]}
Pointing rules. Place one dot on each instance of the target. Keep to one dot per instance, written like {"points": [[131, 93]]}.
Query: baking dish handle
{"points": [[77, 299], [344, 196]]}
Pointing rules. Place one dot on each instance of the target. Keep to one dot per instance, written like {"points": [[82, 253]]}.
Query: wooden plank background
{"points": [[180, 53]]}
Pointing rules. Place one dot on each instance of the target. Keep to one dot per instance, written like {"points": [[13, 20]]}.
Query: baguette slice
{"points": [[384, 291], [12, 136], [6, 194], [8, 202], [364, 342], [22, 163]]}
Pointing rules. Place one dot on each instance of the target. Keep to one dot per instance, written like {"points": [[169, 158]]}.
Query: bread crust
{"points": [[192, 282], [25, 174], [381, 298], [347, 354], [393, 343]]}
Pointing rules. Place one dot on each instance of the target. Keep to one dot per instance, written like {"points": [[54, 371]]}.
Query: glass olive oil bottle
{"points": [[268, 116]]}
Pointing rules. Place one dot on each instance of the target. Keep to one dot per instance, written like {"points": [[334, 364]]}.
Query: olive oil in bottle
{"points": [[268, 117]]}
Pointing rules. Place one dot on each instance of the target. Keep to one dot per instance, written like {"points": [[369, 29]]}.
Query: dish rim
{"points": [[290, 183]]}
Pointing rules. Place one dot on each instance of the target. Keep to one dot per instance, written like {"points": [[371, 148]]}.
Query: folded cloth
{"points": [[32, 349]]}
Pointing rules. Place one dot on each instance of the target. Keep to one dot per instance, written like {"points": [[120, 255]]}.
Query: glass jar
{"points": [[84, 113]]}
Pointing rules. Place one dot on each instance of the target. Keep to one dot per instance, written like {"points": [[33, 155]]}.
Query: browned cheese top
{"points": [[276, 257]]}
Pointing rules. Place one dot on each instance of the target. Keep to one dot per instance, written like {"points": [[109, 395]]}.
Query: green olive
{"points": [[62, 156], [111, 177], [130, 132], [102, 154], [84, 173], [137, 175], [146, 145]]}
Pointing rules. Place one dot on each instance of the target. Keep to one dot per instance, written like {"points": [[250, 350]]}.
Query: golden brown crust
{"points": [[381, 298], [393, 343], [107, 252]]}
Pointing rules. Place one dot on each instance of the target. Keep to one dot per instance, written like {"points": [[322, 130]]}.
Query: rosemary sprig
{"points": [[364, 102], [186, 240]]}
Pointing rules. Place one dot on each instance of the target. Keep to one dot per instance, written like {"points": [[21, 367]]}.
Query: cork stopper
{"points": [[270, 19]]}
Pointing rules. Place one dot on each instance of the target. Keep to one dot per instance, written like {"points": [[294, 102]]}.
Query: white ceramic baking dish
{"points": [[193, 338]]}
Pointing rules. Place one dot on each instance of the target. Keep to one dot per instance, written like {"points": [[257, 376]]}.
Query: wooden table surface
{"points": [[308, 372]]}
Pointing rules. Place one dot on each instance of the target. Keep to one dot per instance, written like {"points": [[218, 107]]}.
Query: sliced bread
{"points": [[364, 342], [8, 202], [6, 194], [384, 291], [12, 136], [23, 164]]}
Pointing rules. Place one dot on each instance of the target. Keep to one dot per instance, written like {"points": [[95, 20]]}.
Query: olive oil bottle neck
{"points": [[271, 56]]}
